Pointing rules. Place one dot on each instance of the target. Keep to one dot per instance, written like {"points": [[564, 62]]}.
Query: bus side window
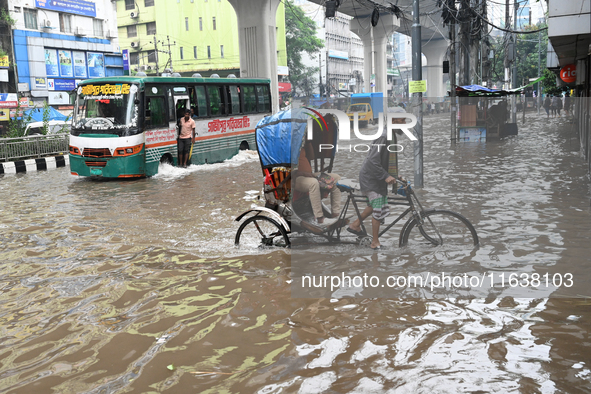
{"points": [[156, 113], [199, 101], [233, 99], [264, 103], [171, 109], [216, 100], [249, 99]]}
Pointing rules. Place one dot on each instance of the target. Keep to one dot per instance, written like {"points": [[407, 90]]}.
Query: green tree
{"points": [[527, 55], [300, 37]]}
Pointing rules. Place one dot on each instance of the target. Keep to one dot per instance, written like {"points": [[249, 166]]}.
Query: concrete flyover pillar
{"points": [[362, 28], [382, 32], [434, 51], [258, 41]]}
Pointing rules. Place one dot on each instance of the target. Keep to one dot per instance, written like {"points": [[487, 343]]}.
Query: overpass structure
{"points": [[257, 38]]}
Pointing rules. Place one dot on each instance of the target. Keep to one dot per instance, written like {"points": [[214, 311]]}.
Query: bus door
{"points": [[181, 100]]}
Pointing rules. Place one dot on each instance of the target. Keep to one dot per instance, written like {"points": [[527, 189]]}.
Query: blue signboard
{"points": [[51, 64], [64, 84], [125, 59], [96, 64], [78, 7], [65, 59], [79, 64]]}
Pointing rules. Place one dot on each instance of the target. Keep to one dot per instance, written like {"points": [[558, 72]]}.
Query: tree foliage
{"points": [[527, 55], [300, 37]]}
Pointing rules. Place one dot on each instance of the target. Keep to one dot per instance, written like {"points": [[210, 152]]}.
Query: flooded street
{"points": [[137, 287]]}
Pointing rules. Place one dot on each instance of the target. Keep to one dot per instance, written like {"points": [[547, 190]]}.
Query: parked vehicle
{"points": [[53, 127], [369, 106]]}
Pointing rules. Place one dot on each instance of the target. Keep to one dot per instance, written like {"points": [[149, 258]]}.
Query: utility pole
{"points": [[465, 42], [320, 74], [156, 54], [514, 74], [539, 95], [169, 52], [452, 79], [417, 75]]}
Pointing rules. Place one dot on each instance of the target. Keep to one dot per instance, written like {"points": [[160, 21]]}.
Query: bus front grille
{"points": [[94, 152], [96, 163]]}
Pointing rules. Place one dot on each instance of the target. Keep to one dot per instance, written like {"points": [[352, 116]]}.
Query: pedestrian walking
{"points": [[547, 103], [567, 102], [553, 105], [559, 105]]}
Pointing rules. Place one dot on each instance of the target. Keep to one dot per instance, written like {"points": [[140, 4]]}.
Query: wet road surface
{"points": [[136, 286]]}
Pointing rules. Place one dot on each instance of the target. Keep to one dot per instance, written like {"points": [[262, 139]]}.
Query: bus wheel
{"points": [[244, 145], [166, 159]]}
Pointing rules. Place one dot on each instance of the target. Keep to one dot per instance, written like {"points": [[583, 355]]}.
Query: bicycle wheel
{"points": [[439, 227], [261, 231]]}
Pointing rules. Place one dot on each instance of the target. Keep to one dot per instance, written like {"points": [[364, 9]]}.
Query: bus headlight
{"points": [[126, 151]]}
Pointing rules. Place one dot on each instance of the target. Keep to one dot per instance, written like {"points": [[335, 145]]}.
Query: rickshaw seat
{"points": [[281, 185]]}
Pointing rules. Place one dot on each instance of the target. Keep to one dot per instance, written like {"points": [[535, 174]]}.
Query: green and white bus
{"points": [[124, 127]]}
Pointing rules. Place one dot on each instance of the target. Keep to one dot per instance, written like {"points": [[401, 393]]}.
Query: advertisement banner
{"points": [[8, 100], [125, 59], [4, 114], [79, 65], [78, 7], [51, 65], [65, 58], [96, 65], [61, 84], [59, 98], [4, 63], [40, 83]]}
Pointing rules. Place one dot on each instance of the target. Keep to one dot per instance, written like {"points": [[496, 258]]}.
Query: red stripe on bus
{"points": [[208, 137], [161, 144]]}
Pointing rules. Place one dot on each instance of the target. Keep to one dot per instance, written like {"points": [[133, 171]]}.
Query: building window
{"points": [[208, 52], [134, 58], [195, 52], [151, 28], [214, 23], [65, 23], [200, 24], [129, 4], [182, 54], [98, 27], [152, 57], [30, 19], [149, 3], [131, 31], [187, 23], [222, 50]]}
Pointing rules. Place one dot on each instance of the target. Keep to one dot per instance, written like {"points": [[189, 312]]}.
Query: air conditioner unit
{"points": [[46, 23], [135, 44], [148, 67], [143, 68], [79, 31], [111, 34], [134, 14]]}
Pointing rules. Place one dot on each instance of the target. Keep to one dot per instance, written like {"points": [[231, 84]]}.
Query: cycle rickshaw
{"points": [[279, 139]]}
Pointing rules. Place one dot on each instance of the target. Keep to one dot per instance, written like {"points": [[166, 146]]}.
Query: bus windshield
{"points": [[106, 109]]}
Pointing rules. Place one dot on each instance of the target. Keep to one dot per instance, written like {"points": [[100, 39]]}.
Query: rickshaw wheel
{"points": [[262, 231], [365, 241]]}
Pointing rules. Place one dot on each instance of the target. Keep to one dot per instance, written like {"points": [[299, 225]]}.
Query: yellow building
{"points": [[188, 36]]}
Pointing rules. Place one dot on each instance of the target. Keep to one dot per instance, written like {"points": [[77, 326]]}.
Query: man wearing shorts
{"points": [[186, 138], [374, 180]]}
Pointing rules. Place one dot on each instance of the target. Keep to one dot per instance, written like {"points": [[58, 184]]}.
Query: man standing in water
{"points": [[186, 138], [373, 182]]}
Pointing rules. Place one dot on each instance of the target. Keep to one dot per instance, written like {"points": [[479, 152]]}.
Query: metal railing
{"points": [[34, 146]]}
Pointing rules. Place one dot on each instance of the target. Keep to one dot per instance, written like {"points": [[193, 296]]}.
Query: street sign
{"points": [[417, 86]]}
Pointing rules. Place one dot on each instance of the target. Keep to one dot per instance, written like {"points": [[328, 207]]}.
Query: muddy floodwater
{"points": [[136, 286]]}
